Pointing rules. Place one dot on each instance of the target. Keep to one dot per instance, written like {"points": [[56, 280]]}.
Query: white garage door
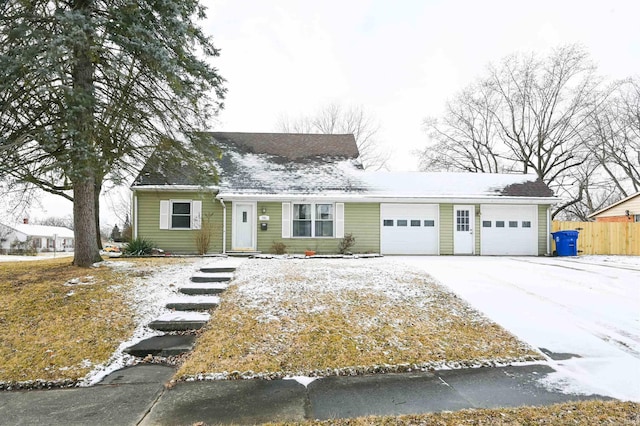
{"points": [[409, 228], [509, 230]]}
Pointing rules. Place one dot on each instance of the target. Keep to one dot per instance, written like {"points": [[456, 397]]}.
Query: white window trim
{"points": [[166, 213], [336, 222]]}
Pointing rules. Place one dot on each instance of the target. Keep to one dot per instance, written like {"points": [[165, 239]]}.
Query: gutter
{"points": [[549, 231], [411, 199], [224, 226]]}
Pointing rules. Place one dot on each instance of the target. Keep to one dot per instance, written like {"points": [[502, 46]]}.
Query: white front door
{"points": [[244, 227], [463, 235]]}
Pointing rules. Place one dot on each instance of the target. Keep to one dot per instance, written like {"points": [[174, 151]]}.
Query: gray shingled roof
{"points": [[290, 164], [290, 146], [288, 151]]}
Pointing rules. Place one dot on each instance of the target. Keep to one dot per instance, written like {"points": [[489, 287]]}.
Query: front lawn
{"points": [[343, 316], [60, 322]]}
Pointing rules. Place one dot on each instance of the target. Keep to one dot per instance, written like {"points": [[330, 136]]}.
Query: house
{"points": [[25, 236], [625, 210], [308, 191]]}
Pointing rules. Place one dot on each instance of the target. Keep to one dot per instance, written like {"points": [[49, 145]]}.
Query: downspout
{"points": [[135, 214], [548, 230], [224, 226]]}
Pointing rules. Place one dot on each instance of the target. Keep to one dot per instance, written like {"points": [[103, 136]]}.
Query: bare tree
{"points": [[465, 138], [65, 222], [336, 119], [616, 136], [529, 115]]}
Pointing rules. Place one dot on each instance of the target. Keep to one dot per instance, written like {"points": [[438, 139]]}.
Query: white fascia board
{"points": [[363, 198], [142, 188]]}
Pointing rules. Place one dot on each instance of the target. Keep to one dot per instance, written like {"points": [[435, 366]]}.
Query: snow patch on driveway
{"points": [[586, 306]]}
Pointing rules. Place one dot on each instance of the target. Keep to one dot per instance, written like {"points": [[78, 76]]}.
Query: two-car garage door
{"points": [[415, 229], [409, 228]]}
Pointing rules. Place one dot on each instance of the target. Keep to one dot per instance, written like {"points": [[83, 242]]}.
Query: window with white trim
{"points": [[313, 220], [180, 214]]}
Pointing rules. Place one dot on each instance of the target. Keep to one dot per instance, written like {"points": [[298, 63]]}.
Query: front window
{"points": [[324, 220], [181, 214], [313, 220]]}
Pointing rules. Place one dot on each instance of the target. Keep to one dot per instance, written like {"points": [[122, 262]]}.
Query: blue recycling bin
{"points": [[566, 242]]}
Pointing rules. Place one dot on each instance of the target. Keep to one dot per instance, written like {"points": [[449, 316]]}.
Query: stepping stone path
{"points": [[188, 311]]}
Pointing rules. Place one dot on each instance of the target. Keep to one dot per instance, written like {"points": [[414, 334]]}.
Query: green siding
{"points": [[174, 240], [361, 219], [446, 228], [543, 235]]}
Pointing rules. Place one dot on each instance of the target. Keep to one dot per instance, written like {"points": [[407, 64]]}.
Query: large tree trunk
{"points": [[84, 156], [86, 247]]}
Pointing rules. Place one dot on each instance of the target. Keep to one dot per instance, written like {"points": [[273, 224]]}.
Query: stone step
{"points": [[193, 303], [218, 267], [166, 345], [211, 277], [242, 253], [180, 321], [203, 288]]}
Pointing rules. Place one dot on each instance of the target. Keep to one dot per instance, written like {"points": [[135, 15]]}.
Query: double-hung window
{"points": [[313, 220], [180, 214]]}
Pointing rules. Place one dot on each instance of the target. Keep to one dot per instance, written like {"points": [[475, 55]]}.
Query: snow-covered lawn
{"points": [[39, 256], [584, 311], [343, 316]]}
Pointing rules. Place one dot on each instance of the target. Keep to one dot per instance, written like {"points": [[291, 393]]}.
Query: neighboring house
{"points": [[625, 210], [309, 191], [40, 237]]}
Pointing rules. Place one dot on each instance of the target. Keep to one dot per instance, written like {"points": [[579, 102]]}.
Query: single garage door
{"points": [[409, 228], [509, 230]]}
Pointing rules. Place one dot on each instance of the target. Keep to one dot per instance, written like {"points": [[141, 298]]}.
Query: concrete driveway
{"points": [[583, 313]]}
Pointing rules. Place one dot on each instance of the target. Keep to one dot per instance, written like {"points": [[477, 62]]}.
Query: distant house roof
{"points": [[42, 230], [616, 204], [277, 164]]}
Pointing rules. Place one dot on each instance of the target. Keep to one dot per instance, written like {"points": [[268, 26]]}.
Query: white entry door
{"points": [[463, 234], [244, 227]]}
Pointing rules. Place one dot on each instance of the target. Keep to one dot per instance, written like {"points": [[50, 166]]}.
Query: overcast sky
{"points": [[399, 60]]}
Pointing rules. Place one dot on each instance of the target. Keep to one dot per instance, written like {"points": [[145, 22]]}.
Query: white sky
{"points": [[400, 60]]}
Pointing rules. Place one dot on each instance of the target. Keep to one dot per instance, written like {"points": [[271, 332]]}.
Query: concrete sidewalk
{"points": [[137, 395]]}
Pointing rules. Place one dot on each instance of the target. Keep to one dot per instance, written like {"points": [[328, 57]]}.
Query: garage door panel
{"points": [[409, 228], [509, 230]]}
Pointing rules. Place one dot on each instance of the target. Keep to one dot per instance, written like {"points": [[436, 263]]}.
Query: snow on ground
{"points": [[39, 256], [148, 296], [585, 311]]}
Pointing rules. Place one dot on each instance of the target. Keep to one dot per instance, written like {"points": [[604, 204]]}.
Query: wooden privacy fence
{"points": [[604, 237]]}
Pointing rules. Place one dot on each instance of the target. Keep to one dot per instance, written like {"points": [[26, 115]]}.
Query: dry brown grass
{"points": [[52, 331], [574, 413], [307, 326]]}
